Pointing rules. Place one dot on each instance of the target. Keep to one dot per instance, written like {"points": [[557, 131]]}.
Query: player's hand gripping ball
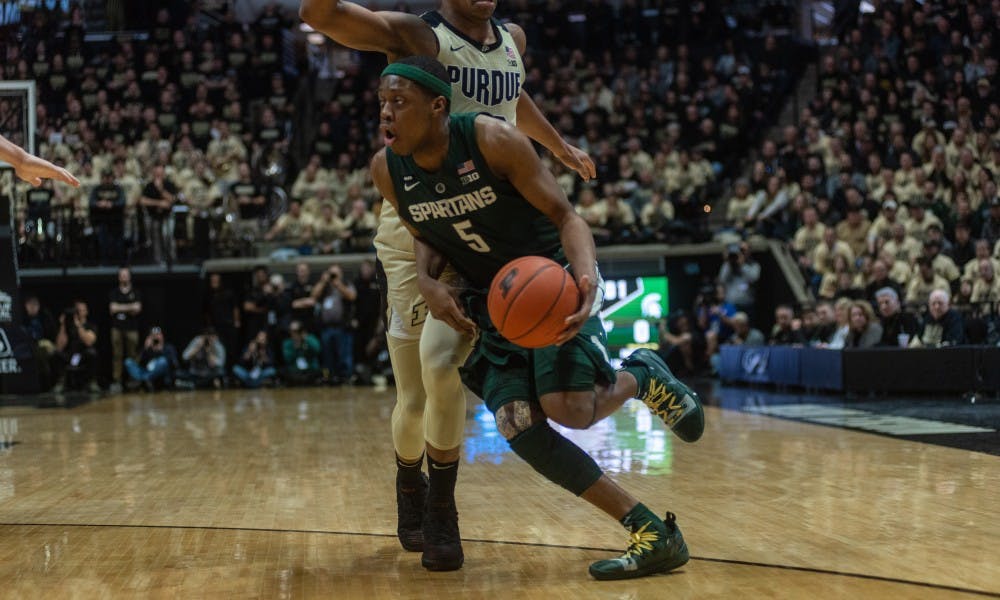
{"points": [[530, 299]]}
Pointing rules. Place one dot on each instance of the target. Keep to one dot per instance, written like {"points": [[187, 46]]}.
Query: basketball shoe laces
{"points": [[640, 541], [660, 401]]}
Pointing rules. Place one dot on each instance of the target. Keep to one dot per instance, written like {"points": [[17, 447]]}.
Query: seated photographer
{"points": [[76, 342], [157, 362], [301, 353], [256, 366], [206, 358]]}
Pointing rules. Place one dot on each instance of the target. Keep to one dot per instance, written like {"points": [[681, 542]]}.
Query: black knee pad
{"points": [[561, 461]]}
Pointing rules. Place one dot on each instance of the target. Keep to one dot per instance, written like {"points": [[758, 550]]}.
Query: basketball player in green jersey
{"points": [[484, 62], [31, 168], [474, 193]]}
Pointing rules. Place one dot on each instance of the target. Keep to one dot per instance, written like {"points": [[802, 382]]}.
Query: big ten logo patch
{"points": [[6, 308], [8, 364]]}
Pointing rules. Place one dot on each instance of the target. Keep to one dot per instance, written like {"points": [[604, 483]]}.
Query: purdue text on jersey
{"points": [[489, 87]]}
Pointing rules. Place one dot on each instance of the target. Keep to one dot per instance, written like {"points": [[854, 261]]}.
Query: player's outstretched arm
{"points": [[392, 33], [533, 123], [31, 168], [510, 155]]}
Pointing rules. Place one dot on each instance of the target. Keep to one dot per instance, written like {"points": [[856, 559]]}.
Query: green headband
{"points": [[420, 76]]}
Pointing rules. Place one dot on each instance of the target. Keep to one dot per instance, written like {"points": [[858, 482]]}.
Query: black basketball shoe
{"points": [[410, 513], [442, 542]]}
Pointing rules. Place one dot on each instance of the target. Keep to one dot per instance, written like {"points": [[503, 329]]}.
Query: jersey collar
{"points": [[484, 48]]}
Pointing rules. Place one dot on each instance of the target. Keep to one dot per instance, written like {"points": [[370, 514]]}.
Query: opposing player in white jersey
{"points": [[484, 63]]}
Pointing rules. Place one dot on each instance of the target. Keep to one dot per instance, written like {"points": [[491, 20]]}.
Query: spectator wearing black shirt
{"points": [[964, 248], [158, 199], [107, 216], [991, 228], [39, 201], [303, 303], [367, 315], [125, 306], [783, 334], [41, 328], [879, 280], [76, 342], [682, 345], [222, 312], [898, 326], [249, 197], [270, 21], [826, 324], [279, 310], [255, 303], [942, 325]]}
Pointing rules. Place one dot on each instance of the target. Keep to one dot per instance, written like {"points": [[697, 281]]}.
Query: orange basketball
{"points": [[529, 300]]}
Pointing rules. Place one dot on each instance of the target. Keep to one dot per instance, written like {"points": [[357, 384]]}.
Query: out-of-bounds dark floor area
{"points": [[966, 422]]}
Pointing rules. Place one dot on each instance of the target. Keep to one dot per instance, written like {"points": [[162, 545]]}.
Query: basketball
{"points": [[529, 300]]}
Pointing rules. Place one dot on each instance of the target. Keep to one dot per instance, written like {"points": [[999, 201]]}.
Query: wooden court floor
{"points": [[289, 494]]}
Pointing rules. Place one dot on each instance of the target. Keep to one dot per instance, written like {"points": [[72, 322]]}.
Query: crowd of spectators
{"points": [[189, 142], [179, 134], [886, 191], [303, 331]]}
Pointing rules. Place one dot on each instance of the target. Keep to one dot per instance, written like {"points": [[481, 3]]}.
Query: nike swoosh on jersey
{"points": [[456, 48], [409, 186]]}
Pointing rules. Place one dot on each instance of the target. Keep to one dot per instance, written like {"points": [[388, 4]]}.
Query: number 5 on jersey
{"points": [[474, 240]]}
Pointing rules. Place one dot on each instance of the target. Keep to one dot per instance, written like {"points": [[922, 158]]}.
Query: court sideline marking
{"points": [[730, 561]]}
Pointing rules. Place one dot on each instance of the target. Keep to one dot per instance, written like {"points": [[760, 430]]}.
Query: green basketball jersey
{"points": [[477, 220]]}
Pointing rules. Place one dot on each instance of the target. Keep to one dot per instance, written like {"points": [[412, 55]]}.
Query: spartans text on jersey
{"points": [[453, 207], [486, 86]]}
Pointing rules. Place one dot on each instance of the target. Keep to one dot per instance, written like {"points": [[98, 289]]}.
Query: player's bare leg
{"points": [[655, 545], [646, 377]]}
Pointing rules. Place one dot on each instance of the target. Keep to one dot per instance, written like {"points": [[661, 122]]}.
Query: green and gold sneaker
{"points": [[665, 395], [655, 546]]}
